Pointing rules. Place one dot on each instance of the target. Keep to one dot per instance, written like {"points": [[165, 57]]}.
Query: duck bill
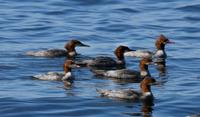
{"points": [[130, 50], [74, 66], [170, 42], [83, 45], [155, 83]]}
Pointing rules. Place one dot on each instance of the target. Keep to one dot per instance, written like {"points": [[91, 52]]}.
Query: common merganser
{"points": [[59, 76], [102, 62], [70, 50], [126, 73], [160, 52], [131, 94]]}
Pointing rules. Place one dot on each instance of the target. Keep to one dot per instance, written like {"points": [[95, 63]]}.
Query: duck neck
{"points": [[66, 69], [144, 71], [120, 57], [160, 46], [71, 51], [145, 88]]}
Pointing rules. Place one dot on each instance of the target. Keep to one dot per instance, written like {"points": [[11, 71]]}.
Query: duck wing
{"points": [[50, 76], [100, 62], [122, 94], [121, 73], [48, 53]]}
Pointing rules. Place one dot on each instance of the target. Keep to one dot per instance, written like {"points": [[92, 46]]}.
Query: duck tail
{"points": [[30, 53], [101, 92]]}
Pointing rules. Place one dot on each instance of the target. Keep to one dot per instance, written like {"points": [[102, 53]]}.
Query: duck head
{"points": [[68, 65], [162, 41], [119, 52], [71, 45]]}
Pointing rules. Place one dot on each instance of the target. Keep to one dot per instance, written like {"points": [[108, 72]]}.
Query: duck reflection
{"points": [[161, 66], [146, 109]]}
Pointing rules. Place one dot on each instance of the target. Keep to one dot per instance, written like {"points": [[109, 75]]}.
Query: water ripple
{"points": [[27, 25]]}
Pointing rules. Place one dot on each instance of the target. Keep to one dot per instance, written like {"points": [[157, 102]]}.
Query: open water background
{"points": [[104, 24]]}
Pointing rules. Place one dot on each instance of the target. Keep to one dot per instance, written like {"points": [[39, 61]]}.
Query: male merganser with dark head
{"points": [[160, 52], [69, 52], [131, 94], [103, 62], [127, 74], [66, 76]]}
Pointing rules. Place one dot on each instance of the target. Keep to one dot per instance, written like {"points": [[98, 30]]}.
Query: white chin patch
{"points": [[143, 73], [72, 53], [147, 94]]}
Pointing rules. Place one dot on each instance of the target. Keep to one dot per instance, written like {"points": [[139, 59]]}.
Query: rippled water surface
{"points": [[104, 24]]}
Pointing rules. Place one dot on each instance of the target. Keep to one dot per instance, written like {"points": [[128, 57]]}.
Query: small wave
{"points": [[127, 10], [96, 2], [190, 8], [115, 28], [195, 19]]}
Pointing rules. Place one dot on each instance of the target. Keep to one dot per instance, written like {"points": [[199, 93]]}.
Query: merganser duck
{"points": [[59, 76], [160, 52], [70, 47], [127, 74], [102, 62], [131, 94]]}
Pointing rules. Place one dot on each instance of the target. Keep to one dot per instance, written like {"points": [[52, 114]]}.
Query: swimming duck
{"points": [[59, 76], [131, 94], [126, 73], [70, 50], [160, 52], [104, 62]]}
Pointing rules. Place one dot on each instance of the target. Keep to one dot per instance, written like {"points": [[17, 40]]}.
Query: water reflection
{"points": [[161, 66], [146, 109]]}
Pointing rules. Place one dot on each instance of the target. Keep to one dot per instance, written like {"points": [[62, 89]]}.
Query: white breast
{"points": [[160, 53], [147, 94], [67, 76], [143, 73], [72, 53]]}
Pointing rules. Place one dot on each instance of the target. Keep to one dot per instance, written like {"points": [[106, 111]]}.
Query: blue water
{"points": [[104, 24]]}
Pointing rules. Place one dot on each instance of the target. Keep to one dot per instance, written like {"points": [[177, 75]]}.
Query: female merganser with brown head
{"points": [[160, 45], [69, 52], [131, 94], [66, 76], [103, 62], [160, 52], [127, 74]]}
